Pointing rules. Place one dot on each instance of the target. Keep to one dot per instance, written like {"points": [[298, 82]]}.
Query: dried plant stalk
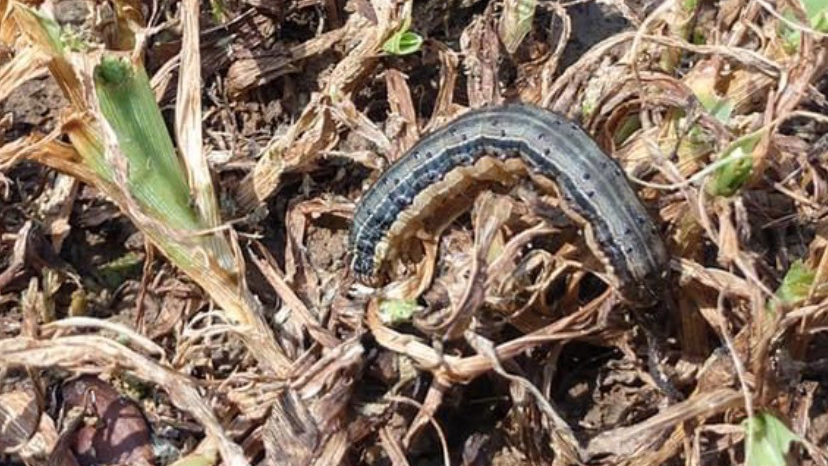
{"points": [[118, 131]]}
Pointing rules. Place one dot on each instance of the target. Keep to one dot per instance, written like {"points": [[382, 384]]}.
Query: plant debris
{"points": [[177, 182]]}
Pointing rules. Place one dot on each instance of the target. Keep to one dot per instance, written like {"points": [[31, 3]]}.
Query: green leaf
{"points": [[218, 11], [737, 166], [719, 107], [796, 284], [403, 43], [817, 13], [397, 311], [770, 440], [48, 33], [814, 8], [115, 272], [156, 176], [74, 40], [627, 128], [112, 71], [699, 36]]}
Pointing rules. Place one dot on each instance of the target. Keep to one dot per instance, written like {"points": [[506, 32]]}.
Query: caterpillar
{"points": [[499, 144]]}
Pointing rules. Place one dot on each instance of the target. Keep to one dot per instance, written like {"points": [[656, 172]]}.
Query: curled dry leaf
{"points": [[399, 98], [490, 214], [630, 441], [119, 433], [515, 22], [307, 422], [313, 133], [247, 73], [29, 433], [19, 418], [481, 59]]}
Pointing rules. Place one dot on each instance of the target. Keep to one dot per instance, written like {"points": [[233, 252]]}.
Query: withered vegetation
{"points": [[191, 256]]}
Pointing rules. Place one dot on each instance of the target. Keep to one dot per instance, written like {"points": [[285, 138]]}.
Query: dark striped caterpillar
{"points": [[499, 144]]}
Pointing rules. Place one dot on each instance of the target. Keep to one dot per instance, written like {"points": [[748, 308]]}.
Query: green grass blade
{"points": [[156, 177]]}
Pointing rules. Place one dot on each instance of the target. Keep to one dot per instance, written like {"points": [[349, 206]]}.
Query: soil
{"points": [[34, 106]]}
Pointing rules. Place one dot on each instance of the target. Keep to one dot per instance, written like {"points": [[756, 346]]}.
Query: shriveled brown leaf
{"points": [[19, 418], [78, 351], [312, 134], [120, 434], [399, 97], [481, 52], [306, 425]]}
